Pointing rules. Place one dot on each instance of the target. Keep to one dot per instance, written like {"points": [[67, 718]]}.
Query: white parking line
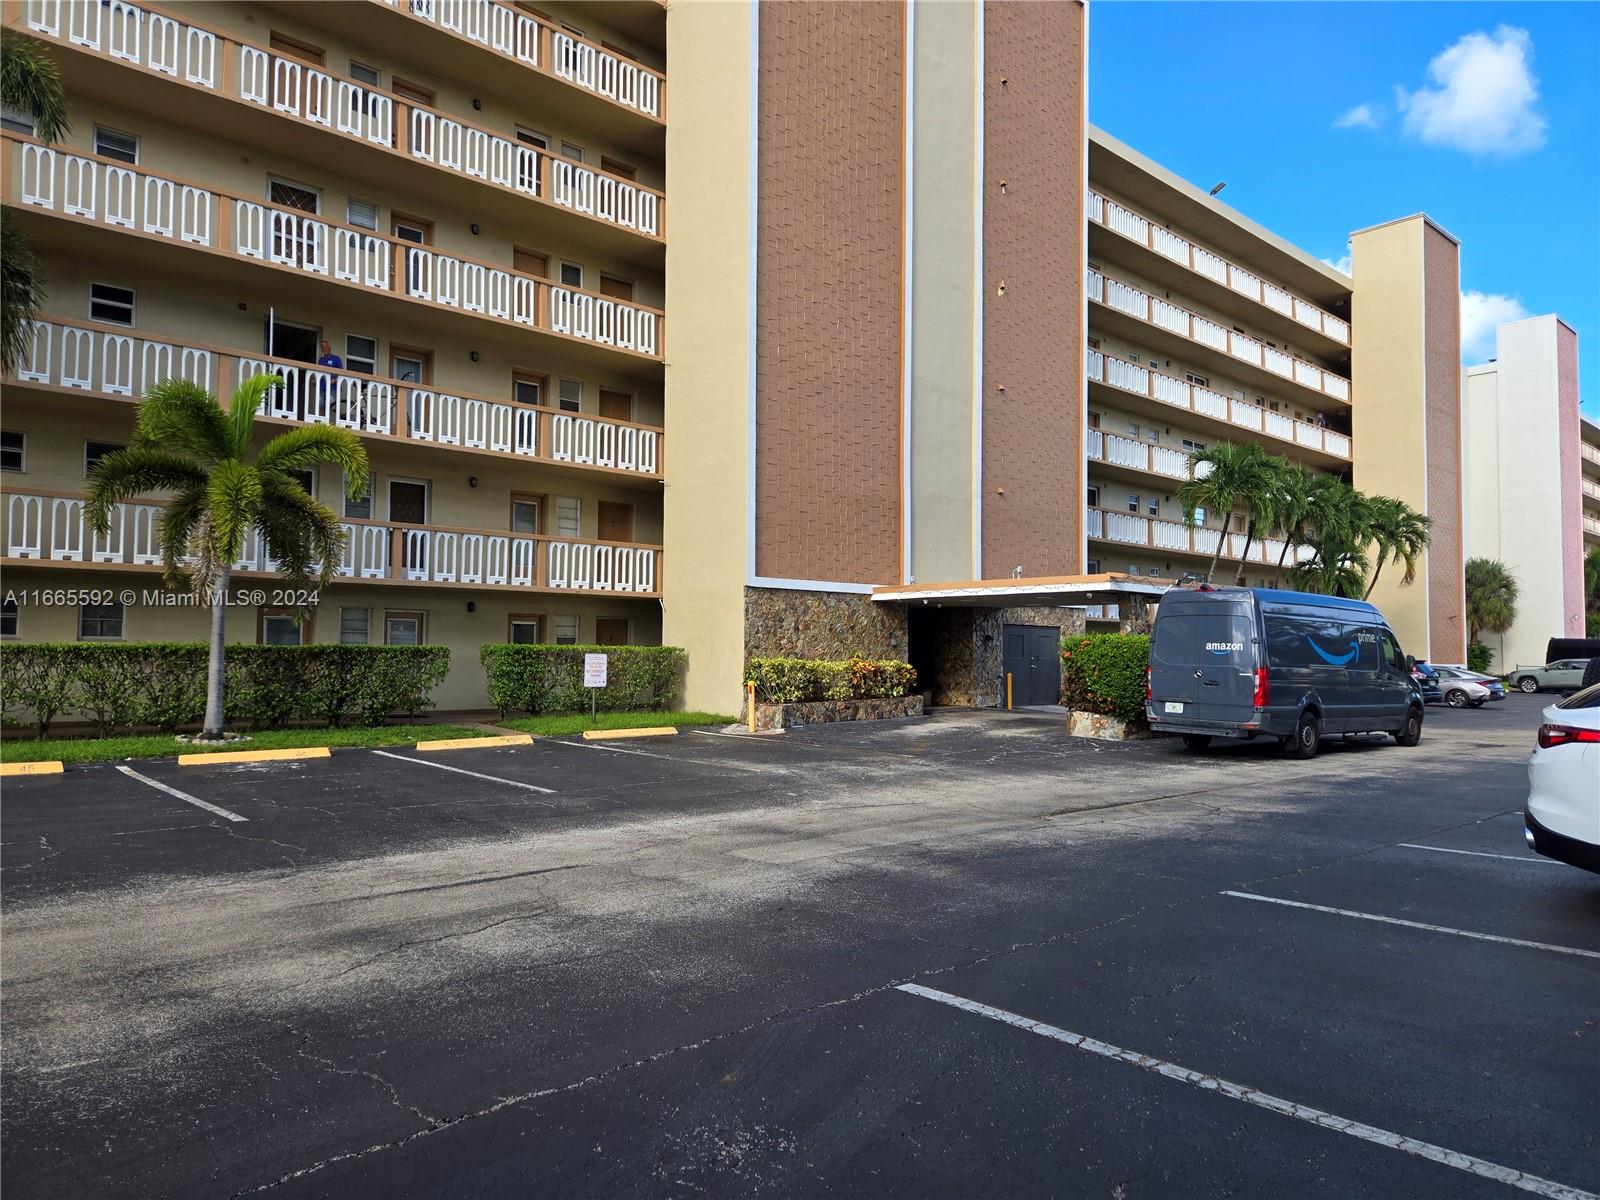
{"points": [[184, 796], [1239, 1091], [438, 766], [754, 738], [677, 758], [598, 746], [1523, 858], [1466, 933]]}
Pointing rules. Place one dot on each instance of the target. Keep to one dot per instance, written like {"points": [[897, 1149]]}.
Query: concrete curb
{"points": [[509, 739], [244, 756], [597, 735], [47, 767]]}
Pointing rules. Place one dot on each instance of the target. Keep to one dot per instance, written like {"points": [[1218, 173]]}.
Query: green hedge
{"points": [[549, 679], [1105, 673], [794, 680], [121, 686]]}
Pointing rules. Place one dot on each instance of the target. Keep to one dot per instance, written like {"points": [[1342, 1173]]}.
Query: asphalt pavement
{"points": [[964, 955]]}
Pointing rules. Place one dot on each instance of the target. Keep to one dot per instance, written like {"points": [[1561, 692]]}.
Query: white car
{"points": [[1562, 816]]}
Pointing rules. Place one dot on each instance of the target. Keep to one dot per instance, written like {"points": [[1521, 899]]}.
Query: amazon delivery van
{"points": [[1238, 662]]}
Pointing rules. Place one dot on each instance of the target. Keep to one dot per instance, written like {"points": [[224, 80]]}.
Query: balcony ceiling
{"points": [[1051, 591], [1127, 174]]}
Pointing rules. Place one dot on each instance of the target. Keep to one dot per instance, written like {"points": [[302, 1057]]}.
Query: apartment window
{"points": [[293, 195], [99, 622], [361, 353], [295, 48], [110, 303], [9, 615], [1133, 502], [1094, 420], [524, 514], [1199, 516], [363, 74], [404, 628], [569, 513], [1092, 496], [617, 289], [411, 229], [1092, 567], [1155, 572], [571, 395], [1133, 428], [363, 214], [354, 626], [110, 143], [307, 479], [1153, 507], [525, 389], [1134, 569], [360, 508], [572, 150], [279, 628], [533, 138], [1193, 447], [571, 275], [1155, 436], [1132, 357], [566, 631], [13, 451], [1094, 343], [524, 630], [412, 92], [16, 120], [1198, 380], [93, 452], [409, 368], [620, 169]]}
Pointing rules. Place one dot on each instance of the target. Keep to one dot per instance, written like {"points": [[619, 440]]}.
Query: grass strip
{"points": [[567, 724], [86, 750]]}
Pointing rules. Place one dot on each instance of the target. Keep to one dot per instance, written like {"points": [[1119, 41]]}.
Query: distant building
{"points": [[1533, 480]]}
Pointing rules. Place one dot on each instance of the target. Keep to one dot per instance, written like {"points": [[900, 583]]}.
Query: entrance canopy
{"points": [[1052, 592]]}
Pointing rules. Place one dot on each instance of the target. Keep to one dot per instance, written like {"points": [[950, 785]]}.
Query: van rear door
{"points": [[1203, 656]]}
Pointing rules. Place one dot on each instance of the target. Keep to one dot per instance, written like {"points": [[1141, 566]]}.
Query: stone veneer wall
{"points": [[831, 625], [969, 649]]}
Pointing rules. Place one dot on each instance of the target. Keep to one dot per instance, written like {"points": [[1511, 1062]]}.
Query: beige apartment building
{"points": [[911, 369], [1533, 481]]}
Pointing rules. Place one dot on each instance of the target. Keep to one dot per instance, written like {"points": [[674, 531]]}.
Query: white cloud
{"points": [[1362, 116], [1481, 314], [1483, 96], [1340, 264]]}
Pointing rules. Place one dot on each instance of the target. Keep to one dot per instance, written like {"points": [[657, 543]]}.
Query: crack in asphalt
{"points": [[44, 844]]}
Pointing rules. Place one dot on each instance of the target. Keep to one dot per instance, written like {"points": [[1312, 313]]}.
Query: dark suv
{"points": [[1428, 680]]}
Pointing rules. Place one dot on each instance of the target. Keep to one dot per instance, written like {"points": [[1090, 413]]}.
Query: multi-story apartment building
{"points": [[912, 367], [1533, 480]]}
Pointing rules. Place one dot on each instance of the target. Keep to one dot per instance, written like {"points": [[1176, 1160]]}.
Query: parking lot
{"points": [[960, 955]]}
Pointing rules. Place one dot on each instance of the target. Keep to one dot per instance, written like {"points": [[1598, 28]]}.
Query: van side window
{"points": [[1390, 651]]}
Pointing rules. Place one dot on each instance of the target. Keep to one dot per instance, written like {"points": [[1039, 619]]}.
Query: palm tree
{"points": [[185, 443], [1491, 597], [30, 82], [1396, 528], [1291, 510], [1261, 503], [1591, 591], [1233, 476], [1336, 531]]}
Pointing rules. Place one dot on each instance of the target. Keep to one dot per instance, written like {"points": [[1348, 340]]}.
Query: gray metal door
{"points": [[1032, 657]]}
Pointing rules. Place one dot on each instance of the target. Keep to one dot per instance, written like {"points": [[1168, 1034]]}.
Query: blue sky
{"points": [[1326, 118]]}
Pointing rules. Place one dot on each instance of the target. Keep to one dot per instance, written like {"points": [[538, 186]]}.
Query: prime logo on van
{"points": [[1334, 660]]}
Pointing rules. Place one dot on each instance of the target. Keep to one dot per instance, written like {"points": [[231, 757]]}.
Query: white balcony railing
{"points": [[51, 527], [127, 364], [311, 95], [1179, 393], [520, 36], [1135, 529], [1163, 241], [1162, 313], [102, 191]]}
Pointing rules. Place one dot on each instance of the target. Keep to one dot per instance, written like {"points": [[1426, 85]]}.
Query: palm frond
{"points": [[312, 445], [302, 535], [125, 474], [243, 407], [233, 499], [30, 80], [175, 530], [182, 416], [22, 291]]}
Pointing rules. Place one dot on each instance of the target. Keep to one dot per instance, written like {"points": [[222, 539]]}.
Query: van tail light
{"points": [[1565, 735], [1263, 688], [1147, 694]]}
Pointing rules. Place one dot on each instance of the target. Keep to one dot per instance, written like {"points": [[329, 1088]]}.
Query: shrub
{"points": [[1105, 673], [795, 680], [541, 679], [121, 685], [1479, 657]]}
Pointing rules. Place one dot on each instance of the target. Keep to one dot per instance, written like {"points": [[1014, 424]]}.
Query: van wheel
{"points": [[1528, 684], [1307, 733], [1197, 741], [1411, 732], [1456, 698]]}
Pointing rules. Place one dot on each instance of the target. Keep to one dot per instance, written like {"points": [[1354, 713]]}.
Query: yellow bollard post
{"points": [[750, 697], [1008, 691]]}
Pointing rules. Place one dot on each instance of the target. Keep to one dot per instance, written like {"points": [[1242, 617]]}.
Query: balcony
{"points": [[1132, 379], [1135, 314], [45, 528], [1185, 266], [1131, 454], [392, 134], [1590, 457], [1591, 528], [100, 192], [76, 356], [1173, 537]]}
